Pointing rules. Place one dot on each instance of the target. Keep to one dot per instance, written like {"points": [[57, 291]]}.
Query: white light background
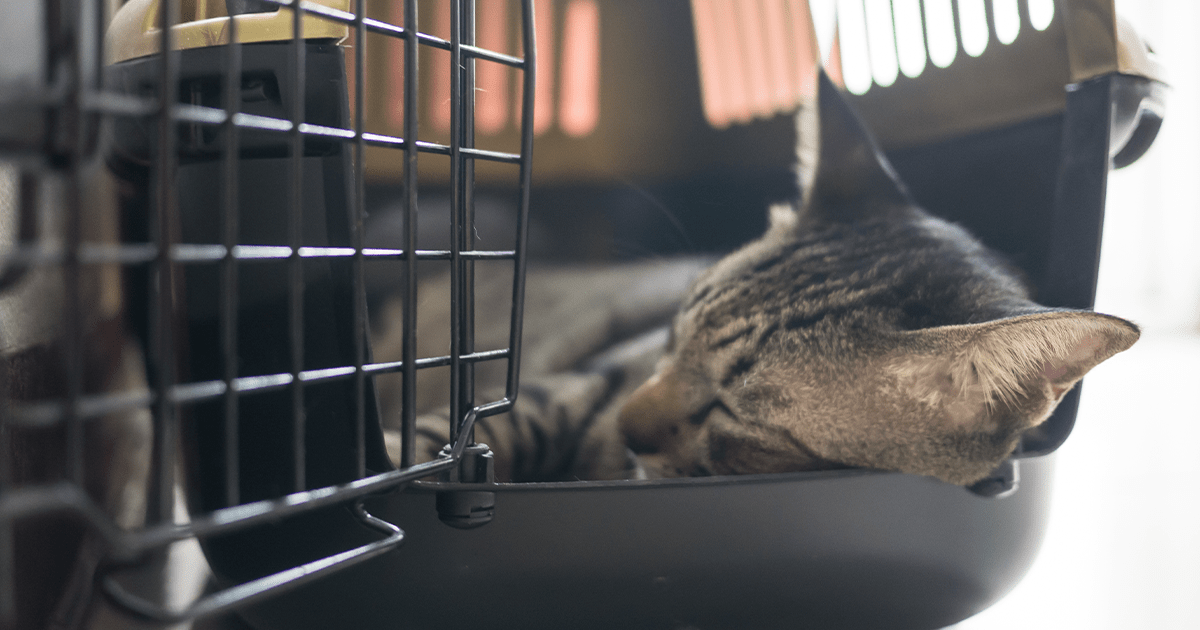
{"points": [[1122, 550], [1123, 546]]}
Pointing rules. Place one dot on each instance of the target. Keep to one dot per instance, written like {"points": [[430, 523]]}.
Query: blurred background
{"points": [[1123, 545]]}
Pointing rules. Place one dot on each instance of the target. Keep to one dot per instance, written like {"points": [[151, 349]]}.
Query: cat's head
{"points": [[858, 331]]}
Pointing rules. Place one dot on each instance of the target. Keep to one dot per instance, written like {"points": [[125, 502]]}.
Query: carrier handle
{"points": [[254, 590], [1139, 106]]}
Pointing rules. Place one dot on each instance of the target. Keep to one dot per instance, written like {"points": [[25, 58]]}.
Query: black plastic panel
{"points": [[815, 550]]}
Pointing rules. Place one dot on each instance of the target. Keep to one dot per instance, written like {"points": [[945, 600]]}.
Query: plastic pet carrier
{"points": [[184, 301]]}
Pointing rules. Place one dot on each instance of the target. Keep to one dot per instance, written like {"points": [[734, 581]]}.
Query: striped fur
{"points": [[862, 331], [584, 352], [858, 331]]}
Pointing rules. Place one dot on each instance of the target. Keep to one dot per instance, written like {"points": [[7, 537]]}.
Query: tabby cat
{"points": [[858, 331]]}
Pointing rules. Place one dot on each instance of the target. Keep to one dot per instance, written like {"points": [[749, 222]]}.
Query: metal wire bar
{"points": [[140, 253], [97, 405], [465, 211], [123, 546], [8, 569], [524, 183], [162, 334], [95, 55], [408, 414], [267, 586], [164, 259], [132, 106], [73, 338], [357, 213], [456, 218], [520, 259], [229, 270], [518, 295], [383, 28], [295, 264]]}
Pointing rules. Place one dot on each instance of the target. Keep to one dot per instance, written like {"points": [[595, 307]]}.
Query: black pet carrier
{"points": [[184, 295]]}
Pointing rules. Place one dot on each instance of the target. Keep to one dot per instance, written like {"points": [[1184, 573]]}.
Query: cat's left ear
{"points": [[843, 174], [977, 375], [783, 218]]}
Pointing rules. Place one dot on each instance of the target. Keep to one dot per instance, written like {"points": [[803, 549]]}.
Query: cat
{"points": [[858, 331], [592, 335]]}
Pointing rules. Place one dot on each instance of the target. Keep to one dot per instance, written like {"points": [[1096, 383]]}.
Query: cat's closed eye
{"points": [[859, 330], [716, 410]]}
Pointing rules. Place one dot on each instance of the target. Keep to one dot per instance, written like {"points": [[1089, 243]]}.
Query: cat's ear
{"points": [[843, 173], [782, 218], [984, 376]]}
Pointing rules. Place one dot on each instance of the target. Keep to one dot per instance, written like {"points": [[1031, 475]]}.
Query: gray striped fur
{"points": [[858, 331]]}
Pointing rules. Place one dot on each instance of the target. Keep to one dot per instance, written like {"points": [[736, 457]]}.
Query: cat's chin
{"points": [[658, 466], [648, 466], [634, 468]]}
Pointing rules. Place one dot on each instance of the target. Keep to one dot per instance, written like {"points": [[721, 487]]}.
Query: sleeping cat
{"points": [[858, 331]]}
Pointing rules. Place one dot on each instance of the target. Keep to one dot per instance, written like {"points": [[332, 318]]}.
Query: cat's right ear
{"points": [[1020, 365], [843, 174]]}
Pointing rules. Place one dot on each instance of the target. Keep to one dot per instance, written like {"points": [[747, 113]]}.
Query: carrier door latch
{"points": [[468, 509]]}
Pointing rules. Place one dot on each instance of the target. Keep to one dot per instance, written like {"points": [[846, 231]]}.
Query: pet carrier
{"points": [[184, 265], [184, 287]]}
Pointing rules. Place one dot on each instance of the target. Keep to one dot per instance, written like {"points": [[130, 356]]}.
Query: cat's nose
{"points": [[654, 413]]}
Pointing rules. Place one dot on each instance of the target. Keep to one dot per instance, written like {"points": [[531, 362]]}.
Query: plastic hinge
{"points": [[468, 509]]}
